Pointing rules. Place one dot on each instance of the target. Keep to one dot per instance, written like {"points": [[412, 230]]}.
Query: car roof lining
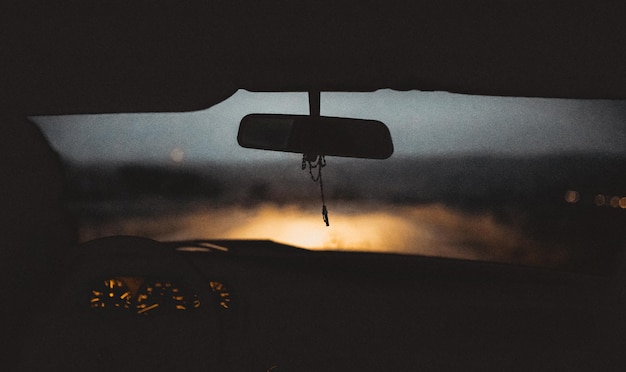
{"points": [[91, 57]]}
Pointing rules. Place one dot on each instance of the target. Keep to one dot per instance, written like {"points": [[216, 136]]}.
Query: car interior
{"points": [[97, 286]]}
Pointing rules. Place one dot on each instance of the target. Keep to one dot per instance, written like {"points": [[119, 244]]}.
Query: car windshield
{"points": [[528, 181]]}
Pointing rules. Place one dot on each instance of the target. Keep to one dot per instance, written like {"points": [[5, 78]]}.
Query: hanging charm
{"points": [[317, 162]]}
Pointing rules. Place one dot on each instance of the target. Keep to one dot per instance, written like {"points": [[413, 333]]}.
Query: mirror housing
{"points": [[316, 135]]}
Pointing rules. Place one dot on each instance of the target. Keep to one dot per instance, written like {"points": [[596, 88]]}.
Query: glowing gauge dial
{"points": [[142, 295], [114, 293], [224, 299], [163, 295]]}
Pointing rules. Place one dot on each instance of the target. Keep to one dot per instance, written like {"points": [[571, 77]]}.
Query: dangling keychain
{"points": [[317, 162]]}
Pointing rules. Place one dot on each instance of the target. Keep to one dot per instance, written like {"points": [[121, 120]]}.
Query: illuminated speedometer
{"points": [[164, 295], [114, 293]]}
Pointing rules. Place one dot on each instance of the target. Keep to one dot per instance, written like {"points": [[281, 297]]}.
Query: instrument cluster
{"points": [[147, 295]]}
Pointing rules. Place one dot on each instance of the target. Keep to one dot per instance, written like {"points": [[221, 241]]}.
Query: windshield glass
{"points": [[517, 180]]}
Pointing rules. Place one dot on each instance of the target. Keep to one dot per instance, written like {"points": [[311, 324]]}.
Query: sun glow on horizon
{"points": [[291, 225], [429, 230]]}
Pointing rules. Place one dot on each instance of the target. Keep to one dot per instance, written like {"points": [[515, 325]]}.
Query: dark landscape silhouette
{"points": [[550, 203]]}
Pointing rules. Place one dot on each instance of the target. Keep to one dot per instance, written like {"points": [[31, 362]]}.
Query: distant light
{"points": [[622, 202], [615, 202], [599, 200], [572, 196], [177, 155]]}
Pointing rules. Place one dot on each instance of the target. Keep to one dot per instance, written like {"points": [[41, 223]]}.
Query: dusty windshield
{"points": [[518, 180]]}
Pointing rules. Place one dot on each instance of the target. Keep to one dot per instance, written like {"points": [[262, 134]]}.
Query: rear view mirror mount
{"points": [[316, 135]]}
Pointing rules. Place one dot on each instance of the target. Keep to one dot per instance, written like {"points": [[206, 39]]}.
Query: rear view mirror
{"points": [[316, 135]]}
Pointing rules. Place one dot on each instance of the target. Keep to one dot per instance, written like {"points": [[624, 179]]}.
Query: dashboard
{"points": [[136, 304]]}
